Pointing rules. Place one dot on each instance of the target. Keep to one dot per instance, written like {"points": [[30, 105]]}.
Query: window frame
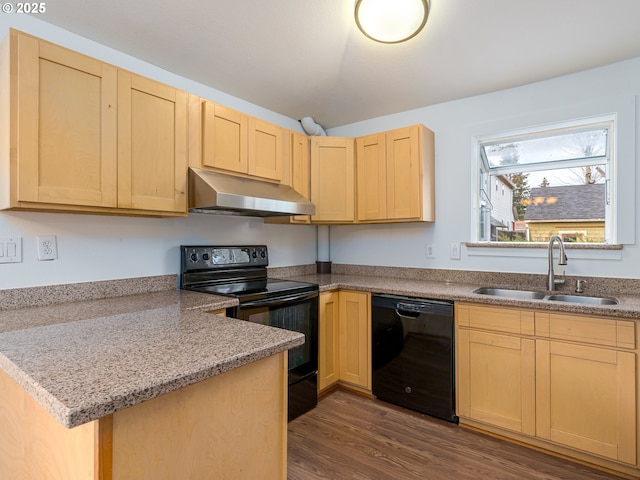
{"points": [[482, 216]]}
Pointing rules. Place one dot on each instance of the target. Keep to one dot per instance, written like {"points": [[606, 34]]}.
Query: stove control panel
{"points": [[204, 257]]}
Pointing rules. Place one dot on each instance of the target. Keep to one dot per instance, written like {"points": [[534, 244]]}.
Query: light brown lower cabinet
{"points": [[496, 379], [564, 382], [586, 398], [344, 346], [211, 429], [328, 346], [355, 338]]}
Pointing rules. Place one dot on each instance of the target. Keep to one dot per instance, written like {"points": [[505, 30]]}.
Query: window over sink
{"points": [[544, 181]]}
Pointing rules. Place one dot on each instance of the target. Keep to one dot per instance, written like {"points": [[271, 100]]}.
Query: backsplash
{"points": [[73, 292], [53, 294], [593, 286]]}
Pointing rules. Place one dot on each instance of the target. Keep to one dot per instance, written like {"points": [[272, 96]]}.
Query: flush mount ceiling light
{"points": [[391, 21]]}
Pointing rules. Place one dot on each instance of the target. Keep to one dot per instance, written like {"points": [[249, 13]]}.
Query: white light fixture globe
{"points": [[391, 21]]}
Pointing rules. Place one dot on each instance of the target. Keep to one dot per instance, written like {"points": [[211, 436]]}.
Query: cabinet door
{"points": [[404, 173], [328, 329], [266, 149], [224, 138], [152, 145], [496, 379], [371, 172], [355, 338], [66, 127], [300, 170], [332, 179], [586, 398]]}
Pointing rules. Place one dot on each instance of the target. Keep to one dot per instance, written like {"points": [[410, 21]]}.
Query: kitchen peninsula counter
{"points": [[86, 362]]}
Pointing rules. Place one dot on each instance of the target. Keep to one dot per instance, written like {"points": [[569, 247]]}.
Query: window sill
{"points": [[571, 246], [600, 251]]}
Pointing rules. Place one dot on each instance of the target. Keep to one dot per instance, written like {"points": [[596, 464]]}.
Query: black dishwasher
{"points": [[412, 354]]}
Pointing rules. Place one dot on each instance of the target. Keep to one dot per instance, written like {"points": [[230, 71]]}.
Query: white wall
{"points": [[95, 247], [606, 90], [98, 247]]}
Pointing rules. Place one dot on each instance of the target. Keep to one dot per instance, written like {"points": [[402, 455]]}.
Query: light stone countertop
{"points": [[628, 306], [84, 360]]}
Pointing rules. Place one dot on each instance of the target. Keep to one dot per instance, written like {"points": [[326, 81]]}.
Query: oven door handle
{"points": [[274, 302]]}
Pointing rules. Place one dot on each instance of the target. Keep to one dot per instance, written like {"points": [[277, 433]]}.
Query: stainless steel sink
{"points": [[506, 293], [531, 295], [583, 300]]}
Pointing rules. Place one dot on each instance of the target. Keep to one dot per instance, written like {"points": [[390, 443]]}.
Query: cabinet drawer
{"points": [[497, 319], [584, 329]]}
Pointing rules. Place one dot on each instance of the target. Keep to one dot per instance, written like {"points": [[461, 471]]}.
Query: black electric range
{"points": [[241, 272]]}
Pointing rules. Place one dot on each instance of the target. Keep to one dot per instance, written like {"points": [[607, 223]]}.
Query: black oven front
{"points": [[241, 272], [297, 312]]}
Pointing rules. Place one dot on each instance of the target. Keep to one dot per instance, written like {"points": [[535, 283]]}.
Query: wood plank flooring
{"points": [[351, 437]]}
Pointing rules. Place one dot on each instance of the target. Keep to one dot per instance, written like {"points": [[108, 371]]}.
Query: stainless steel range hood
{"points": [[218, 193]]}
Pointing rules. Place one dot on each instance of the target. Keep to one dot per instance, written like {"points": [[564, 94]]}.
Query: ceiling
{"points": [[307, 57]]}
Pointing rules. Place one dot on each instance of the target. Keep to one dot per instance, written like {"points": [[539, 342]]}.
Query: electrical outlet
{"points": [[429, 251], [454, 251], [47, 247]]}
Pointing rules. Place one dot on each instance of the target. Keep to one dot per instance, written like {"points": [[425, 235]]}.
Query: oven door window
{"points": [[299, 317]]}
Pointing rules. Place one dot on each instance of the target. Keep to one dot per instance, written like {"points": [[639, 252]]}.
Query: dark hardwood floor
{"points": [[351, 437]]}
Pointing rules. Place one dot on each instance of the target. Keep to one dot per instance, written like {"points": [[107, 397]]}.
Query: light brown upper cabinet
{"points": [[300, 170], [332, 179], [295, 173], [224, 138], [266, 149], [81, 137], [371, 165], [63, 123], [237, 143], [152, 145], [396, 176]]}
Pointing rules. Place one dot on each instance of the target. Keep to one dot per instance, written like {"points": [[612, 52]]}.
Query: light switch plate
{"points": [[455, 251], [11, 250]]}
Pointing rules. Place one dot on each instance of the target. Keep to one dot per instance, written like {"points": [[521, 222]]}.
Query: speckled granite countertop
{"points": [[628, 306], [84, 360]]}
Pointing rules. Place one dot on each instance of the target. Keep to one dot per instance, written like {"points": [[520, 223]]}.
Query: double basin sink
{"points": [[531, 295]]}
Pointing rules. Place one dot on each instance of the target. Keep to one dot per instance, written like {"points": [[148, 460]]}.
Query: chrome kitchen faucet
{"points": [[562, 260]]}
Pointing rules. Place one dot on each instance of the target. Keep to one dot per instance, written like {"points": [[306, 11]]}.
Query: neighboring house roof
{"points": [[570, 202]]}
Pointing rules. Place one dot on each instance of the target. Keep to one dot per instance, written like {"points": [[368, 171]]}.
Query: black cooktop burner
{"points": [[255, 289]]}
